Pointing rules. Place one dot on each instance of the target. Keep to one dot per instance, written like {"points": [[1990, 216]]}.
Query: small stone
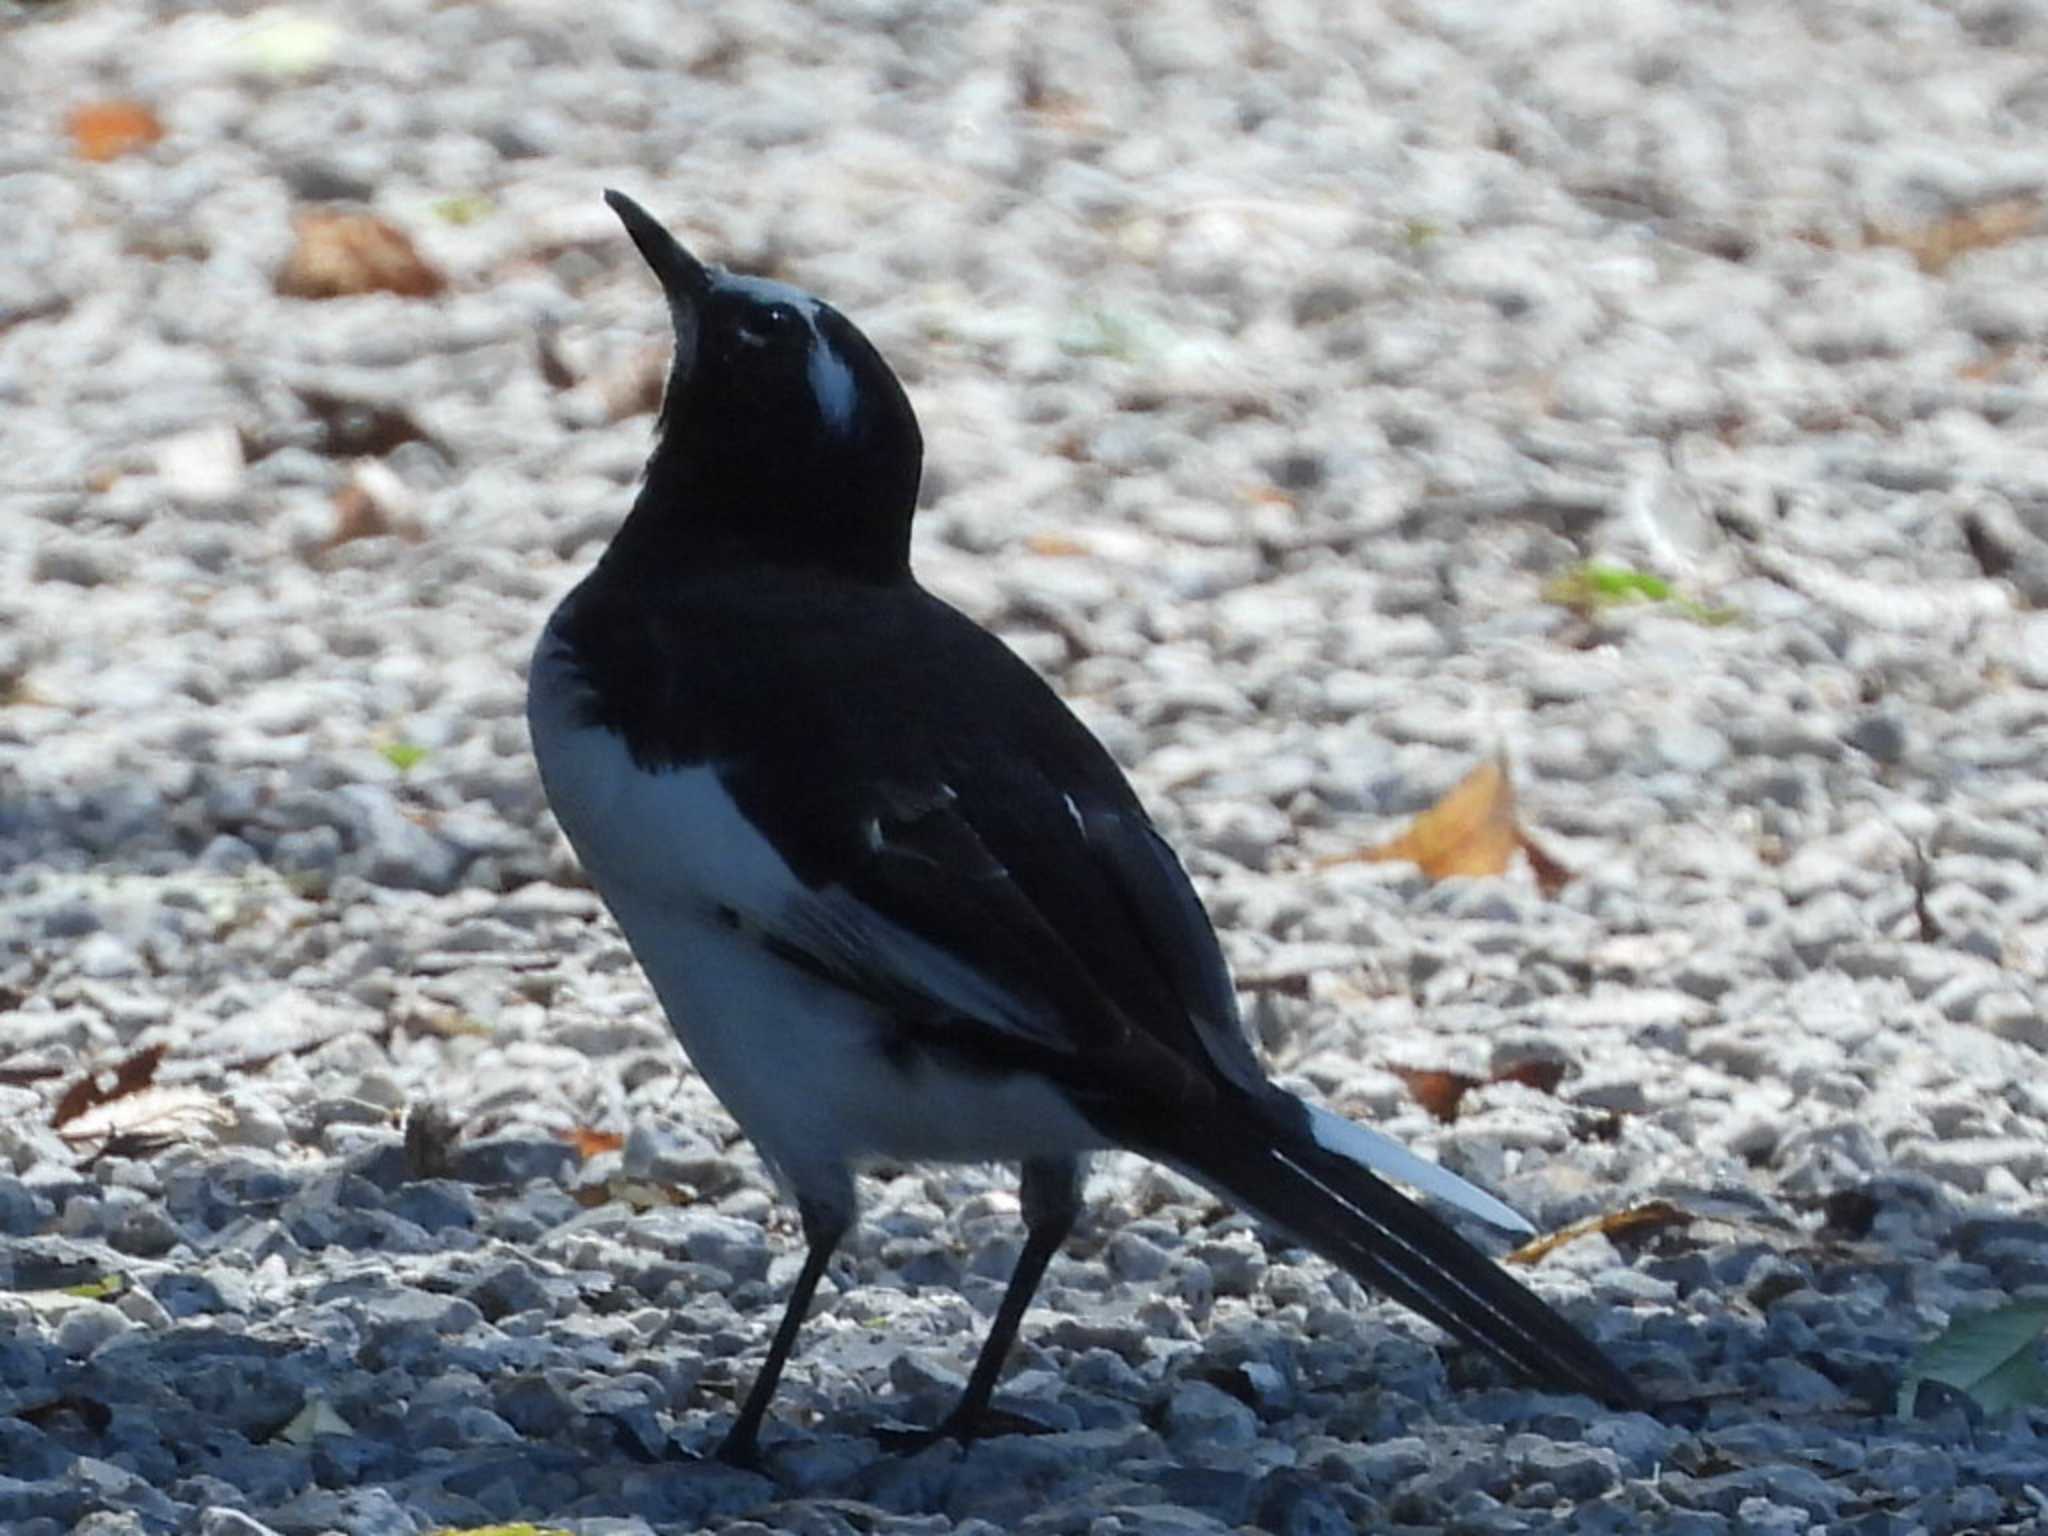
{"points": [[88, 1325], [1202, 1418], [23, 1212], [1882, 737], [1690, 747], [392, 849]]}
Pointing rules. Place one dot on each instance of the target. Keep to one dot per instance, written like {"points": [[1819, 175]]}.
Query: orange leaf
{"points": [[589, 1143], [1472, 830], [339, 254], [1438, 1092], [106, 130], [1641, 1219]]}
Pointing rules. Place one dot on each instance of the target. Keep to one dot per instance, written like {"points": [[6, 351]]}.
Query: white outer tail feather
{"points": [[1384, 1155]]}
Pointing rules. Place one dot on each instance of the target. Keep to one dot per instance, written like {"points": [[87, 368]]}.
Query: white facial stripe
{"points": [[831, 382], [830, 378]]}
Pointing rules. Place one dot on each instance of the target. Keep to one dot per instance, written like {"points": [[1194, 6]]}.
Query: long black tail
{"points": [[1268, 1163]]}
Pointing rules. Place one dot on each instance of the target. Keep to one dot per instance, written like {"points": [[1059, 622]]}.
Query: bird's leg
{"points": [[824, 1225], [1051, 1197]]}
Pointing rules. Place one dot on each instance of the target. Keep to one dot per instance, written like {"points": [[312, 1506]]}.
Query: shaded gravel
{"points": [[1272, 368]]}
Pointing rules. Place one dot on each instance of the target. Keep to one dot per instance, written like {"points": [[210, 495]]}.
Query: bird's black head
{"points": [[784, 437]]}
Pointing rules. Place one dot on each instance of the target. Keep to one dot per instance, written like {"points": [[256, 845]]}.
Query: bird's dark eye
{"points": [[769, 323]]}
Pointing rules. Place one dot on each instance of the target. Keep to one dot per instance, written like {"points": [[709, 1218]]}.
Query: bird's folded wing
{"points": [[922, 917]]}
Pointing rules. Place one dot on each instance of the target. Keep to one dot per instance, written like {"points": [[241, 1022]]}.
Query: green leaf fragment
{"points": [[103, 1289], [1593, 588], [403, 755], [1994, 1357], [466, 208]]}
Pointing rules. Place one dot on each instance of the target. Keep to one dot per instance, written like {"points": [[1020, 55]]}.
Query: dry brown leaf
{"points": [[1542, 1075], [1551, 875], [1438, 1092], [1472, 830], [130, 1076], [589, 1143], [339, 254], [1935, 245], [1442, 1092], [106, 130], [1637, 1219]]}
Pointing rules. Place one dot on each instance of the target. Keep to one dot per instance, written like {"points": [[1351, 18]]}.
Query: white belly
{"points": [[799, 1062]]}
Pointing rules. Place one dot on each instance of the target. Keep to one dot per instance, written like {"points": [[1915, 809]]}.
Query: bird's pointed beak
{"points": [[683, 276]]}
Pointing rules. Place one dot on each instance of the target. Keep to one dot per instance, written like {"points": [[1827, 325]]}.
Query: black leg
{"points": [[823, 1229], [1051, 1194]]}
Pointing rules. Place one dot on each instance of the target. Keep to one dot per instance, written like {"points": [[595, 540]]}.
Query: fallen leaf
{"points": [[1541, 1074], [1934, 245], [337, 255], [107, 130], [1472, 830], [1994, 1357], [131, 1076], [138, 1122], [589, 1142], [353, 428], [1637, 1219], [1592, 588], [1442, 1092], [1551, 875], [1438, 1092], [106, 1288]]}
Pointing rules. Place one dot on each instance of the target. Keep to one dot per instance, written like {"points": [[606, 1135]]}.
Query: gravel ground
{"points": [[1274, 368]]}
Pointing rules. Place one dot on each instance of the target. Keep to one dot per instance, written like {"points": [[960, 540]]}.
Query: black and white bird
{"points": [[896, 900]]}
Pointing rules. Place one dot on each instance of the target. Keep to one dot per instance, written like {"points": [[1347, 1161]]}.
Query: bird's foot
{"points": [[741, 1452]]}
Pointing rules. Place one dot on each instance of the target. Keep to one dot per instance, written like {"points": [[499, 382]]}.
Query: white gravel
{"points": [[1271, 364]]}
